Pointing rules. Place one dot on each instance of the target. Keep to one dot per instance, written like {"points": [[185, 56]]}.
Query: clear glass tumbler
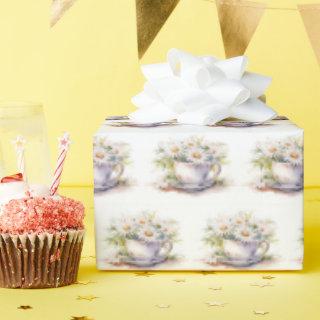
{"points": [[24, 121]]}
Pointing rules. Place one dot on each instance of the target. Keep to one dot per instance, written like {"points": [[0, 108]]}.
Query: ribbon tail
{"points": [[253, 110]]}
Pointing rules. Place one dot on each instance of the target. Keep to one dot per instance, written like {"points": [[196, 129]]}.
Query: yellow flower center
{"points": [[175, 149], [148, 233], [273, 149], [196, 155], [245, 233], [223, 227], [99, 155], [294, 155]]}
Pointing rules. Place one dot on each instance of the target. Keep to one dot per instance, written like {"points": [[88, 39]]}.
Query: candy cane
{"points": [[64, 143]]}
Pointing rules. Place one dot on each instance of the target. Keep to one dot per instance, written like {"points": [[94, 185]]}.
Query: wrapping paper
{"points": [[183, 197], [40, 261]]}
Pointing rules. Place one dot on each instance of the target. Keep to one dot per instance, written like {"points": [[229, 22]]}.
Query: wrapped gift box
{"points": [[186, 197]]}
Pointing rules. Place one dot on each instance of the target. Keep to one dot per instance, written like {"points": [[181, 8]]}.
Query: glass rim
{"points": [[19, 109]]}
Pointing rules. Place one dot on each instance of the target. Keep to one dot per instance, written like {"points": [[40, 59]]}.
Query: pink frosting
{"points": [[41, 214]]}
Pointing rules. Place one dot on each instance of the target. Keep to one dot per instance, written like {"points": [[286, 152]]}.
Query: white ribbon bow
{"points": [[200, 90]]}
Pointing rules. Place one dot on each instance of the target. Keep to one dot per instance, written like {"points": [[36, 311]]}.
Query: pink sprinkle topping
{"points": [[41, 214]]}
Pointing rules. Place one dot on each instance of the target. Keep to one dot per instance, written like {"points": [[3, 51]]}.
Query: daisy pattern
{"points": [[280, 164], [107, 152], [99, 155], [241, 227], [191, 151], [145, 228]]}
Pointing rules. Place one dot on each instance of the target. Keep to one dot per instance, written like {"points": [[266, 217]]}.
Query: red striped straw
{"points": [[64, 143]]}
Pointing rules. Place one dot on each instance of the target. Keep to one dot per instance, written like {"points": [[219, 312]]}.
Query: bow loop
{"points": [[200, 90]]}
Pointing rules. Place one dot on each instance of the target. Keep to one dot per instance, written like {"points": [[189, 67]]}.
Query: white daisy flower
{"points": [[125, 226], [196, 155], [270, 149], [222, 226], [244, 234], [99, 155], [148, 234], [293, 156], [174, 150]]}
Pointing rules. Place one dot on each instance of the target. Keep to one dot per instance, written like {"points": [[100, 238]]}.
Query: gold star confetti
{"points": [[205, 273], [24, 307], [84, 282], [163, 306], [144, 274], [215, 288], [179, 280], [268, 277], [216, 304], [261, 285], [88, 298], [81, 318], [260, 312]]}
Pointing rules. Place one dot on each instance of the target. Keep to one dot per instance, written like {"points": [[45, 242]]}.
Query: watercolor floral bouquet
{"points": [[109, 159], [281, 164], [142, 241], [192, 164], [239, 240]]}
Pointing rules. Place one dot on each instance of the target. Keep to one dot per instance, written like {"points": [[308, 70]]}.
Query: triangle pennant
{"points": [[58, 8], [310, 14], [151, 16], [238, 22]]}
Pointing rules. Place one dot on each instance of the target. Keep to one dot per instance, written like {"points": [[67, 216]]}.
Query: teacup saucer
{"points": [[100, 188], [193, 187], [286, 187], [145, 262], [239, 263]]}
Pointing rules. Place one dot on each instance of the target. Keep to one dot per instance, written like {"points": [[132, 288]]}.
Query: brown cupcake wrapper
{"points": [[40, 260]]}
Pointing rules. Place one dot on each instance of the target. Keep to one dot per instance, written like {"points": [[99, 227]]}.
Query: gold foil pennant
{"points": [[58, 8], [238, 22], [151, 16], [310, 14]]}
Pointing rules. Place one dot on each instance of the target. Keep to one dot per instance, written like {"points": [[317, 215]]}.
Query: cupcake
{"points": [[41, 237]]}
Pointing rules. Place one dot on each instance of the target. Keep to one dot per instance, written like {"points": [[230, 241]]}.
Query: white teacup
{"points": [[196, 174], [287, 174], [147, 253], [106, 175], [244, 253]]}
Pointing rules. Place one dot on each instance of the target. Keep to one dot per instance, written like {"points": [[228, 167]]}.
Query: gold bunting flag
{"points": [[310, 14], [238, 22], [151, 16], [58, 8]]}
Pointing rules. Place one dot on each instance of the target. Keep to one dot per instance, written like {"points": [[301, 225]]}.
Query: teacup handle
{"points": [[165, 249], [117, 171], [262, 249], [215, 171]]}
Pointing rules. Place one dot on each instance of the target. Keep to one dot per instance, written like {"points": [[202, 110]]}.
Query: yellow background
{"points": [[87, 67]]}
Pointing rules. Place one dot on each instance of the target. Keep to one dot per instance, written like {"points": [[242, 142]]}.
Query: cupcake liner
{"points": [[40, 260]]}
